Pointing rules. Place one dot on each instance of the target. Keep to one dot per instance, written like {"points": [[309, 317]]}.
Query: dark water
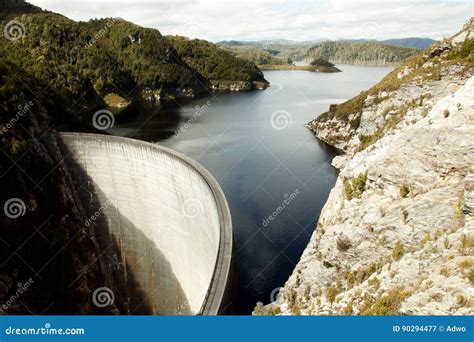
{"points": [[267, 163]]}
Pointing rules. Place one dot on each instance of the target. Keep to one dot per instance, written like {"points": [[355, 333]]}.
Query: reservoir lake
{"points": [[275, 173]]}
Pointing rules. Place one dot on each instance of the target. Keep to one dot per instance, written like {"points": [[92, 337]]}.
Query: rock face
{"points": [[396, 235]]}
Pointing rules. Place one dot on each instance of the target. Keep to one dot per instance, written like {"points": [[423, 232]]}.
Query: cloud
{"points": [[278, 19]]}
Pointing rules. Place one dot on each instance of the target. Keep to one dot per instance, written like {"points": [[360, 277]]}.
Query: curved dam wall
{"points": [[161, 222]]}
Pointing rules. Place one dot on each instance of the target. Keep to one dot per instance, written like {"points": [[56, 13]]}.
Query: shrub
{"points": [[405, 214], [343, 243], [387, 305], [358, 184], [321, 62], [446, 113], [347, 189], [332, 291], [348, 310], [274, 310], [398, 250], [404, 190]]}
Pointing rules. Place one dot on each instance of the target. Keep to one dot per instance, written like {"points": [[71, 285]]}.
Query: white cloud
{"points": [[277, 19]]}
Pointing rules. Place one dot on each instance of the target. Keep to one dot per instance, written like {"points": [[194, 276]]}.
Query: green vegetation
{"points": [[257, 55], [404, 214], [343, 243], [362, 274], [386, 305], [462, 54], [364, 53], [321, 62], [404, 190], [332, 291], [398, 250], [89, 60], [213, 62], [356, 187]]}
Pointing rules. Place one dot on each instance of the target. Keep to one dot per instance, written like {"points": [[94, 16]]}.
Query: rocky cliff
{"points": [[396, 235]]}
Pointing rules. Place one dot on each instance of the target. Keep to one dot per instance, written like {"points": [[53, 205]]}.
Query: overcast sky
{"points": [[278, 19]]}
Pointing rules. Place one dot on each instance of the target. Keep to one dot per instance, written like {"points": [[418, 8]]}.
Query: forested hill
{"points": [[359, 53], [110, 56], [213, 62]]}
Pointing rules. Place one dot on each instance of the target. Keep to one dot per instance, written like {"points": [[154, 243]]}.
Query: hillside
{"points": [[42, 226], [416, 43], [109, 56], [359, 53], [396, 235], [218, 66]]}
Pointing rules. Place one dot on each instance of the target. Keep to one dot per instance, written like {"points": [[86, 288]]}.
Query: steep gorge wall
{"points": [[396, 235]]}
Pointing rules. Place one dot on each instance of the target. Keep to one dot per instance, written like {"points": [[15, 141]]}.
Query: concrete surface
{"points": [[161, 222]]}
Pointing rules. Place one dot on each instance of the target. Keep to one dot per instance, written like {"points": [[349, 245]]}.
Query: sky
{"points": [[278, 19]]}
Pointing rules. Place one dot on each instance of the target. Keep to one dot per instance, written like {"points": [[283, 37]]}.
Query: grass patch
{"points": [[404, 190], [343, 243], [356, 187], [398, 250], [386, 305]]}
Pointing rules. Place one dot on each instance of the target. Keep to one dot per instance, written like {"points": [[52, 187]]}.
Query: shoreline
{"points": [[311, 68]]}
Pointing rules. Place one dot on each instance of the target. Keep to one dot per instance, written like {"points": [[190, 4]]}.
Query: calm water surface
{"points": [[266, 162]]}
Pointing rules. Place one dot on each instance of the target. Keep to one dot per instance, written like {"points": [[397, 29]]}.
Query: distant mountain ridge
{"points": [[343, 51], [359, 53], [415, 42]]}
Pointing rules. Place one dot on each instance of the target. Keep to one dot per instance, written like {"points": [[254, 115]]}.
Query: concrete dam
{"points": [[161, 222]]}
